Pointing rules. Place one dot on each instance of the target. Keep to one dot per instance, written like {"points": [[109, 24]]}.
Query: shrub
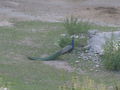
{"points": [[64, 41], [73, 26], [111, 57]]}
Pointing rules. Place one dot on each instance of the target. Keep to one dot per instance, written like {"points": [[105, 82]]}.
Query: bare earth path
{"points": [[59, 65], [107, 11]]}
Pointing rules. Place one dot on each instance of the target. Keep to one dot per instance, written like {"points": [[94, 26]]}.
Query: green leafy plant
{"points": [[73, 26], [64, 41], [111, 57]]}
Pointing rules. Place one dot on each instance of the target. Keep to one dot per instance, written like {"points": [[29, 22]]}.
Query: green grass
{"points": [[32, 76], [19, 42], [111, 57], [32, 38], [85, 84], [73, 26]]}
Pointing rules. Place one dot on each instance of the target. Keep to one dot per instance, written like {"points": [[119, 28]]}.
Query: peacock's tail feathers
{"points": [[52, 57]]}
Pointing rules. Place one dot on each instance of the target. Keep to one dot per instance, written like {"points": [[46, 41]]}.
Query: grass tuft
{"points": [[73, 26], [111, 57]]}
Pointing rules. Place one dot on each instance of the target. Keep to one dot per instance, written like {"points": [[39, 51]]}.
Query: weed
{"points": [[73, 26], [64, 41], [111, 57], [86, 84]]}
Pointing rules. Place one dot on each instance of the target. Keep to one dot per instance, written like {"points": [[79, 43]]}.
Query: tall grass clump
{"points": [[111, 56], [85, 84], [67, 40], [73, 26]]}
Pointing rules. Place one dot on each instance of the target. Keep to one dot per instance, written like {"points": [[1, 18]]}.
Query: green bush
{"points": [[64, 41], [111, 57], [73, 26]]}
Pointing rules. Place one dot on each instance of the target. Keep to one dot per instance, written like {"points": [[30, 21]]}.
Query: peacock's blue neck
{"points": [[73, 42]]}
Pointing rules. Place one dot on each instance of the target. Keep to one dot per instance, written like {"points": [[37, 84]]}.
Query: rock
{"points": [[95, 47], [110, 88], [90, 56], [91, 33], [96, 70], [96, 66], [91, 69], [97, 40], [79, 57]]}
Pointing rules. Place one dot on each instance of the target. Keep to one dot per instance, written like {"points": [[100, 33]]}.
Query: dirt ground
{"points": [[98, 11], [60, 65]]}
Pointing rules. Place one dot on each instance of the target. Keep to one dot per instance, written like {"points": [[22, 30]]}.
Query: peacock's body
{"points": [[68, 48], [65, 50]]}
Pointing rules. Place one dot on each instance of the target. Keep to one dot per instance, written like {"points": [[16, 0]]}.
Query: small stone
{"points": [[96, 70], [96, 65], [2, 88], [110, 87], [77, 61], [86, 51], [79, 57], [5, 89], [91, 69], [56, 44]]}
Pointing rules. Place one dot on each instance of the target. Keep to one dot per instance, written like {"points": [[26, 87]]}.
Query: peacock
{"points": [[66, 49]]}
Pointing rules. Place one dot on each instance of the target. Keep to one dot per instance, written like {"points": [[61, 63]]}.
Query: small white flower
{"points": [[63, 35], [76, 36], [71, 36], [116, 45], [77, 61], [96, 70]]}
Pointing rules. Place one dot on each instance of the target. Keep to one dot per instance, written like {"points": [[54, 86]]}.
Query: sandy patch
{"points": [[26, 41], [59, 65], [5, 23], [97, 11], [13, 3]]}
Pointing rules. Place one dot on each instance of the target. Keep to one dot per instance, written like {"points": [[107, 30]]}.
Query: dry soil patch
{"points": [[104, 11], [60, 65]]}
